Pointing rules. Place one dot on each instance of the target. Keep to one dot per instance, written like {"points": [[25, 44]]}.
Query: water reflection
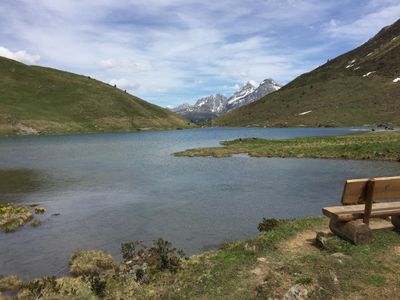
{"points": [[14, 182]]}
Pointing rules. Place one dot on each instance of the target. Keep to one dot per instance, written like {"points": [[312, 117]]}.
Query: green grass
{"points": [[48, 101], [338, 96], [372, 146]]}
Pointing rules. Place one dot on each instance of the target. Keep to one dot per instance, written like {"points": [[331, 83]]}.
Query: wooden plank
{"points": [[354, 191], [374, 214], [353, 212], [386, 188], [369, 199]]}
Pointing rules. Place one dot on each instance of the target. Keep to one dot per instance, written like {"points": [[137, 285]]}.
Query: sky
{"points": [[173, 51]]}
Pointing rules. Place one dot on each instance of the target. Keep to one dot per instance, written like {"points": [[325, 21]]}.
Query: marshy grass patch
{"points": [[14, 216], [10, 283], [90, 262], [40, 210], [366, 146], [47, 288]]}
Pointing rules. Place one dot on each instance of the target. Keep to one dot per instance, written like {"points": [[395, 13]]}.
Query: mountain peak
{"points": [[214, 105], [250, 92]]}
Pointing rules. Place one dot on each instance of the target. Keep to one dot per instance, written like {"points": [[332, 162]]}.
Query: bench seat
{"points": [[353, 212]]}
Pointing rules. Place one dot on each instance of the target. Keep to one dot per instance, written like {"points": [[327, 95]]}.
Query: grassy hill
{"points": [[47, 101], [355, 88]]}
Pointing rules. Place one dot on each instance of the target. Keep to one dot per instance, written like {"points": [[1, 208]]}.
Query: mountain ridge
{"points": [[210, 107], [356, 88]]}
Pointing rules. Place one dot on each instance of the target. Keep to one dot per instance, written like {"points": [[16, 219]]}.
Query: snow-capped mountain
{"points": [[214, 105], [183, 108], [210, 104], [250, 93]]}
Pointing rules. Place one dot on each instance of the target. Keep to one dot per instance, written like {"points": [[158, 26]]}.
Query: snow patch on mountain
{"points": [[218, 104]]}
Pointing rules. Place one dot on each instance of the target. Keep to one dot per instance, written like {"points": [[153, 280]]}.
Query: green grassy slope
{"points": [[43, 100], [337, 92]]}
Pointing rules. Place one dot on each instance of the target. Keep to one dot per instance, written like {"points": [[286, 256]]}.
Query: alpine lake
{"points": [[101, 190]]}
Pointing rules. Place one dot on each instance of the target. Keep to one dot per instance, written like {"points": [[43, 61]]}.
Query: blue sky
{"points": [[174, 51]]}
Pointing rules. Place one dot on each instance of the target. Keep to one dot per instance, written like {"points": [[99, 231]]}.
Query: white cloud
{"points": [[21, 56], [125, 65], [367, 25], [168, 50], [125, 84]]}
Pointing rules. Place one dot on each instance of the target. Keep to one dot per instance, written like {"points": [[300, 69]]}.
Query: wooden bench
{"points": [[351, 221]]}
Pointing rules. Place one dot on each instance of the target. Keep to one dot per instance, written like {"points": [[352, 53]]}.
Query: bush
{"points": [[90, 262], [143, 262], [268, 224], [98, 286]]}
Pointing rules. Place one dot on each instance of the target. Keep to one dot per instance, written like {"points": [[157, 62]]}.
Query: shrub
{"points": [[98, 286], [37, 288], [90, 262], [143, 262], [268, 224]]}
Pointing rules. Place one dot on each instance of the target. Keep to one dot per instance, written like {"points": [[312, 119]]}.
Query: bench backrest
{"points": [[385, 188]]}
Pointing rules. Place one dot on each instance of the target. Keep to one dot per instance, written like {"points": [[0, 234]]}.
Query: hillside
{"points": [[47, 101], [356, 88]]}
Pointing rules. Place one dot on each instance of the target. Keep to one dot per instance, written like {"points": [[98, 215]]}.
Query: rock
{"points": [[262, 259], [256, 271], [334, 278], [339, 255], [249, 247], [321, 239], [296, 292]]}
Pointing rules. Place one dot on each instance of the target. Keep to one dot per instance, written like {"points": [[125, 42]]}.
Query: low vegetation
{"points": [[372, 146], [281, 261], [14, 216], [90, 262]]}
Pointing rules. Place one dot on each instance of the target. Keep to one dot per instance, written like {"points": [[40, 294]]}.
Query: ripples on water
{"points": [[113, 188]]}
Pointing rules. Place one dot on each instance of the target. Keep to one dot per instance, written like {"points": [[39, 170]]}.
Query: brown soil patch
{"points": [[304, 240]]}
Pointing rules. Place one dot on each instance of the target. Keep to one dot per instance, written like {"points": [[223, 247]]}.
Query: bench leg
{"points": [[354, 231], [396, 222]]}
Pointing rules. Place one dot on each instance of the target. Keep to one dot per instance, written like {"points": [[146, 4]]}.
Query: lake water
{"points": [[114, 188]]}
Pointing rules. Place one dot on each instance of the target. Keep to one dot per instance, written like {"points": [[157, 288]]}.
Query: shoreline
{"points": [[355, 128], [280, 260]]}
